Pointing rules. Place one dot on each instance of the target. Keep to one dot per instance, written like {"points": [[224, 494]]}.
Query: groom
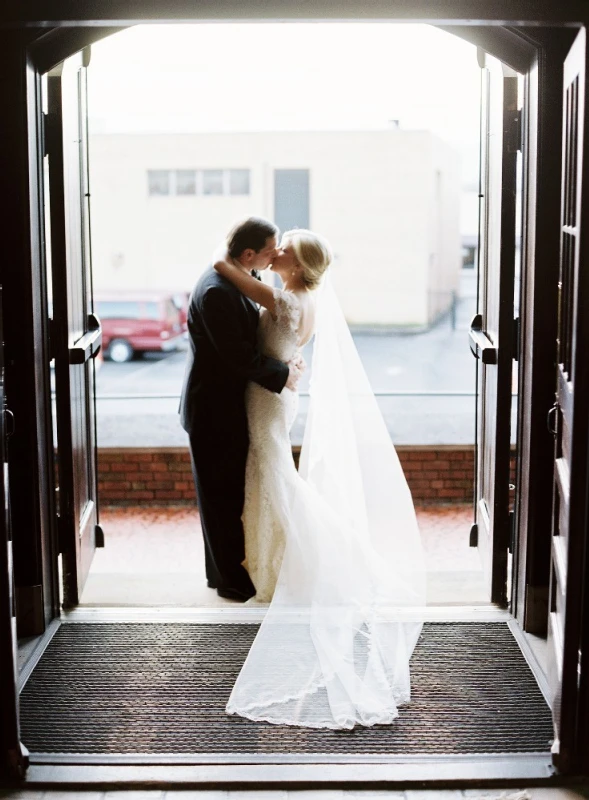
{"points": [[223, 356]]}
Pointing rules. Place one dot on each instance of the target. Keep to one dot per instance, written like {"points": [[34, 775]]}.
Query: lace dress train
{"points": [[333, 650]]}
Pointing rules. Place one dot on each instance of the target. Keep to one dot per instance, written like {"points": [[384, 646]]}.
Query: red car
{"points": [[138, 323]]}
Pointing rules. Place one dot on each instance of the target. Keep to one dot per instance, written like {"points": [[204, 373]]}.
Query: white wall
{"points": [[445, 240], [372, 194]]}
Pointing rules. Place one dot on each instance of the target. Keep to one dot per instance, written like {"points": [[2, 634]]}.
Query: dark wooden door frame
{"points": [[491, 335], [31, 48], [542, 133], [37, 13], [13, 755], [27, 361], [568, 589], [75, 331]]}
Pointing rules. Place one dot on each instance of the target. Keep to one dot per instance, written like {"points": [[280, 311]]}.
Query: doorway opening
{"points": [[391, 180], [198, 179]]}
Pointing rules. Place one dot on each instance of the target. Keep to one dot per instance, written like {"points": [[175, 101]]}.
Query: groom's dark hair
{"points": [[250, 234]]}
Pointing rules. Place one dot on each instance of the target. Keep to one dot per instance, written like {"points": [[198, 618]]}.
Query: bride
{"points": [[333, 548]]}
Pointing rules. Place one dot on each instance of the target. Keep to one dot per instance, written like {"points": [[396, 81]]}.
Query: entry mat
{"points": [[107, 688]]}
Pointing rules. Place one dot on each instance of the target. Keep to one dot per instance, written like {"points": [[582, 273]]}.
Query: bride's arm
{"points": [[248, 285]]}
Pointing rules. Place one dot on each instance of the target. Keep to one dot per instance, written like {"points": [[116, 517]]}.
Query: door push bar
{"points": [[89, 344], [480, 344]]}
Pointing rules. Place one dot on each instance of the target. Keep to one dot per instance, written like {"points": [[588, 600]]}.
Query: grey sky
{"points": [[287, 76]]}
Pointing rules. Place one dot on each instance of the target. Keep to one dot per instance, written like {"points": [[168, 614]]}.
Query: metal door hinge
{"points": [[516, 335], [44, 150], [61, 534], [51, 339], [511, 544]]}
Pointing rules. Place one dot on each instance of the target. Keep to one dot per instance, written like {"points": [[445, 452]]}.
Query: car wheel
{"points": [[120, 351]]}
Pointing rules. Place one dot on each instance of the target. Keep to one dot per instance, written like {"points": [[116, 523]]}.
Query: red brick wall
{"points": [[137, 475], [439, 474], [131, 476]]}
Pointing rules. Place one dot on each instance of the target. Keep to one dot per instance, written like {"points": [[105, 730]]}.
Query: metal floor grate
{"points": [[126, 688]]}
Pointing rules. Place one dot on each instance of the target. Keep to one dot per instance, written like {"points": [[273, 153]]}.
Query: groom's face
{"points": [[264, 258]]}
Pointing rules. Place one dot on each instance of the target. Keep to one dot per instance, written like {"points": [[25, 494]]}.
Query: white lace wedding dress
{"points": [[271, 475], [334, 647]]}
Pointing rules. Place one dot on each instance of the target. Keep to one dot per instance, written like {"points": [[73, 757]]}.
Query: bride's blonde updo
{"points": [[312, 252]]}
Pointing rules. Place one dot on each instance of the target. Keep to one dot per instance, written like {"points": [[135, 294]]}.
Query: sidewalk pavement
{"points": [[154, 557]]}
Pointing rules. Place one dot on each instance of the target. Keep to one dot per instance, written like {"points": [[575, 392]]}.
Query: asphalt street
{"points": [[137, 402]]}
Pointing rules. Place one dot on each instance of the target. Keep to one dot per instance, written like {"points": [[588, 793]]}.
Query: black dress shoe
{"points": [[211, 584], [229, 593]]}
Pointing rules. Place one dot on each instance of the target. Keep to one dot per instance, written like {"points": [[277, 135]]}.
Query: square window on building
{"points": [[158, 181], [239, 181], [212, 181], [185, 181]]}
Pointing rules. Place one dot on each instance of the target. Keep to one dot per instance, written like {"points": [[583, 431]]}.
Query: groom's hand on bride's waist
{"points": [[296, 367], [299, 362]]}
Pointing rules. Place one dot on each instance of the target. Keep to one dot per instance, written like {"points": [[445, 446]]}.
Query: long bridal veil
{"points": [[334, 647]]}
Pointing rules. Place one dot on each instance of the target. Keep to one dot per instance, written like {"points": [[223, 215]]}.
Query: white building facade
{"points": [[388, 202]]}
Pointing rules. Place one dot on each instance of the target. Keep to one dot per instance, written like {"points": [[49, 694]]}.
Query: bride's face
{"points": [[285, 260]]}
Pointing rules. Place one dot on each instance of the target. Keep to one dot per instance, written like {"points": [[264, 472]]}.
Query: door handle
{"points": [[552, 419], [8, 422], [480, 344], [89, 344]]}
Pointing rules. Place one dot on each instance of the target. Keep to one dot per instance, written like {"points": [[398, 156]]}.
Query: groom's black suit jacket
{"points": [[223, 355]]}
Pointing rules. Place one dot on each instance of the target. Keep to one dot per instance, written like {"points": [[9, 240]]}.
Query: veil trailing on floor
{"points": [[334, 647]]}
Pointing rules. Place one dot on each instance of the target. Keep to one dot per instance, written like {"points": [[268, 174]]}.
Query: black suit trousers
{"points": [[219, 454]]}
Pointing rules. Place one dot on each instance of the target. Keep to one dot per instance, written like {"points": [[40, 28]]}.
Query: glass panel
{"points": [[152, 311], [158, 181], [115, 309], [172, 311], [185, 181], [239, 181], [212, 181]]}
